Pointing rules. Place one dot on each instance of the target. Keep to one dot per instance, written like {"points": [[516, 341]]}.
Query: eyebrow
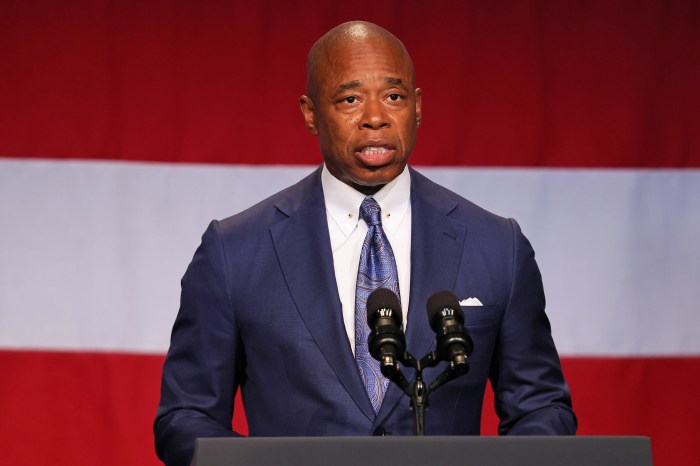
{"points": [[357, 83], [350, 85], [394, 81]]}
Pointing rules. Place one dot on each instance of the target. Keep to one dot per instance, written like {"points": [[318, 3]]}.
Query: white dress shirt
{"points": [[347, 232]]}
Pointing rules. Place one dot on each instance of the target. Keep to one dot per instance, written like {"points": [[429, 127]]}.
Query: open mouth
{"points": [[375, 155]]}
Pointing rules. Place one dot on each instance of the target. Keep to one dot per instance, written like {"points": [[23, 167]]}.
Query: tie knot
{"points": [[370, 212]]}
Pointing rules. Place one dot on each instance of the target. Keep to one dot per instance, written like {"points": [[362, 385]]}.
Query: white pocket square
{"points": [[470, 302]]}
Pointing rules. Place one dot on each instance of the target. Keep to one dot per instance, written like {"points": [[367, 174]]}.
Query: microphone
{"points": [[386, 340], [446, 318]]}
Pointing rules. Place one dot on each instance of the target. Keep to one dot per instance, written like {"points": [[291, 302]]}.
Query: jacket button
{"points": [[379, 432]]}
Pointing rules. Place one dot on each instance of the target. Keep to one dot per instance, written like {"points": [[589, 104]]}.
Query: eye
{"points": [[350, 99], [394, 97]]}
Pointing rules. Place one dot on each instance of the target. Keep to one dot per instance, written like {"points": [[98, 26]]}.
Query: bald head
{"points": [[362, 104], [355, 35]]}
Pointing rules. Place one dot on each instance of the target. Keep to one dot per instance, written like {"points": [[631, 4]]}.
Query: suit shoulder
{"points": [[455, 205], [306, 192]]}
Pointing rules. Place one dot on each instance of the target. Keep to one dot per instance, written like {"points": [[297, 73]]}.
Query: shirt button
{"points": [[379, 432]]}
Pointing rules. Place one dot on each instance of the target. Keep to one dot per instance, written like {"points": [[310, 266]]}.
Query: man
{"points": [[269, 301]]}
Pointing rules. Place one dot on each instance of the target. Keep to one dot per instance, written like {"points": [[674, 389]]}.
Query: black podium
{"points": [[425, 451]]}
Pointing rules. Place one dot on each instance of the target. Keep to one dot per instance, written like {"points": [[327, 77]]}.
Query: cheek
{"points": [[341, 131], [408, 134]]}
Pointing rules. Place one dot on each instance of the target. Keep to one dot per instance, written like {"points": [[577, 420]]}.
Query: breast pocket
{"points": [[480, 316]]}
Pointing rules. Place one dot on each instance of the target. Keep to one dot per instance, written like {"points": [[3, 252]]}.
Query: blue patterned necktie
{"points": [[377, 270]]}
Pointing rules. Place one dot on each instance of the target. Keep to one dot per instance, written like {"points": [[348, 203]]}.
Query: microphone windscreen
{"points": [[440, 301], [383, 298]]}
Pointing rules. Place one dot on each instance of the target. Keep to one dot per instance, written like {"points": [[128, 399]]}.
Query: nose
{"points": [[373, 115]]}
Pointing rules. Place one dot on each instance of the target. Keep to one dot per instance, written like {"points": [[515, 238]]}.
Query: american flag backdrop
{"points": [[125, 127]]}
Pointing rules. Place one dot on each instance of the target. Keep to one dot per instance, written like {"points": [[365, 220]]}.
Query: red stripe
{"points": [[78, 408], [652, 397], [566, 84], [98, 408]]}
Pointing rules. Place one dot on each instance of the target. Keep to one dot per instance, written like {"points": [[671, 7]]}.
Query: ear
{"points": [[308, 111], [419, 105]]}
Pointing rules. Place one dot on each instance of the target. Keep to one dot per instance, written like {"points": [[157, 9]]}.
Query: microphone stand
{"points": [[418, 391]]}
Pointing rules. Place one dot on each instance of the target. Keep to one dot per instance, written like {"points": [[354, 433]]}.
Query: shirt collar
{"points": [[343, 202]]}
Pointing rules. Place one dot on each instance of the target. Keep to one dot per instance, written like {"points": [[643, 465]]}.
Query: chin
{"points": [[372, 184]]}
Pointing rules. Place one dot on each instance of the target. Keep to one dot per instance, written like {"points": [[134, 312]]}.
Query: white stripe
{"points": [[618, 251], [91, 253]]}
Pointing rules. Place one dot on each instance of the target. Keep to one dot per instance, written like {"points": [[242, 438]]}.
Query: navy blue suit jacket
{"points": [[260, 311]]}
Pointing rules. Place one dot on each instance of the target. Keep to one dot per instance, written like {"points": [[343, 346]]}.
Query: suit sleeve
{"points": [[531, 396], [203, 365]]}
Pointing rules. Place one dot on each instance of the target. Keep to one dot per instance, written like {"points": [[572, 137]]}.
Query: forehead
{"points": [[363, 61]]}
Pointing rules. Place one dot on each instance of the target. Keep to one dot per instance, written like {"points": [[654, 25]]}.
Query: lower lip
{"points": [[375, 160]]}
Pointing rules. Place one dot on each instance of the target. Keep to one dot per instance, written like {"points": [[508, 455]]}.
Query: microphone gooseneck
{"points": [[387, 344]]}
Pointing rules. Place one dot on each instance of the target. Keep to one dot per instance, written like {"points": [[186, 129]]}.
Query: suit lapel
{"points": [[437, 242], [303, 249]]}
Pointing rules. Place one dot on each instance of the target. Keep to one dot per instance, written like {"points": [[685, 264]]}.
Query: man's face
{"points": [[365, 112]]}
